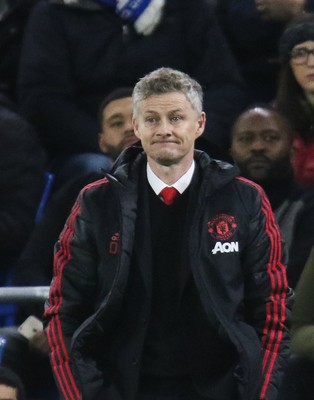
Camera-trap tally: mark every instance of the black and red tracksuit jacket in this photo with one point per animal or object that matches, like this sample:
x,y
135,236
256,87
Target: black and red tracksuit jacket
x,y
238,265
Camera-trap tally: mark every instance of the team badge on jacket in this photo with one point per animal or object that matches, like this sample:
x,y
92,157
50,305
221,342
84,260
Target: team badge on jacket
x,y
222,227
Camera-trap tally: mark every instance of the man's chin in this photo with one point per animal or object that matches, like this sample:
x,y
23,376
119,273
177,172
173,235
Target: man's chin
x,y
166,162
258,175
166,159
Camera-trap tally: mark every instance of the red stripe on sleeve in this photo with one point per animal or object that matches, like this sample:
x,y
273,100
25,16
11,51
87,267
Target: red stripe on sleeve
x,y
275,309
60,358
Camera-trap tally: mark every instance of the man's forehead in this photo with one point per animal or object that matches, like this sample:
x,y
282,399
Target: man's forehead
x,y
257,119
173,101
119,106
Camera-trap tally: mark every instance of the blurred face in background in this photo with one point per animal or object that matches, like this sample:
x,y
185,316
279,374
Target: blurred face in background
x,y
262,145
117,131
302,65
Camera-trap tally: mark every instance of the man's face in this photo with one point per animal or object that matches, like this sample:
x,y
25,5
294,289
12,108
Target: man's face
x,y
167,126
117,131
261,145
7,392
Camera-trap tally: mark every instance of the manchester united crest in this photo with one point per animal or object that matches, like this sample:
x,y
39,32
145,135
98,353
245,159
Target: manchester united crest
x,y
222,227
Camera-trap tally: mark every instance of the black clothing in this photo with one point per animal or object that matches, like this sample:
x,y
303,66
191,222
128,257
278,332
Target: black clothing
x,y
22,164
74,56
254,43
34,266
162,354
293,206
13,18
100,297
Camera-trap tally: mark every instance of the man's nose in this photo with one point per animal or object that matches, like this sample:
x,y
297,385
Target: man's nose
x,y
128,127
164,128
258,144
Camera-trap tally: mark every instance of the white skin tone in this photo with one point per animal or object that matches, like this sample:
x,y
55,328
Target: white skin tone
x,y
168,126
304,73
7,392
117,130
280,10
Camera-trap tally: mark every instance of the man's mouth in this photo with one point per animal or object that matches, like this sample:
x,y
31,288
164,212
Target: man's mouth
x,y
258,162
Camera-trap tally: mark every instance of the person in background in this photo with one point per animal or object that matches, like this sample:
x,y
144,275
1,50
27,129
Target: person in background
x,y
35,265
253,29
22,164
76,52
13,19
11,386
168,269
115,118
295,98
262,147
116,133
298,382
283,10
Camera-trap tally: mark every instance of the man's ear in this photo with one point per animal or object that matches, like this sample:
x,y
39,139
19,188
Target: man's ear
x,y
201,124
102,142
135,128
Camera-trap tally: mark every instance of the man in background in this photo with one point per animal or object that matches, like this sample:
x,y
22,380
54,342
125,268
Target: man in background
x,y
262,147
34,267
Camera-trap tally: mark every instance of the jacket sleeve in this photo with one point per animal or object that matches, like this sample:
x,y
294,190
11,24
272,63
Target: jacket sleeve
x,y
268,295
72,295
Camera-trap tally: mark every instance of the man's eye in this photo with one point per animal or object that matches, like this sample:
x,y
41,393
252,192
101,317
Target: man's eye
x,y
151,120
245,139
176,118
116,124
271,138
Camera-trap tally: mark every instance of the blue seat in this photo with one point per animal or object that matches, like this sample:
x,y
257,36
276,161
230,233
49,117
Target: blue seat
x,y
49,179
7,311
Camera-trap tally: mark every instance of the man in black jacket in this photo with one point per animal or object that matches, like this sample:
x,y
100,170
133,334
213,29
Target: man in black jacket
x,y
262,147
169,277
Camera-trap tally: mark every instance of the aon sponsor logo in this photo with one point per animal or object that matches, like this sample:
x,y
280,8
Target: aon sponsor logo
x,y
227,247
